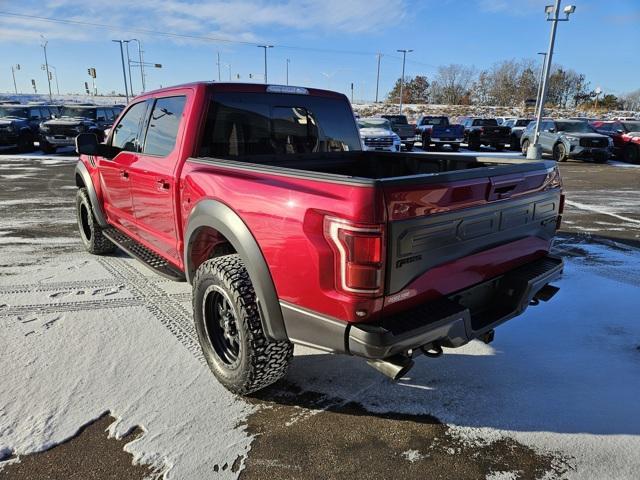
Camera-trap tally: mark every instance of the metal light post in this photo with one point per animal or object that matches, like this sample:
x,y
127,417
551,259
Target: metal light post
x,y
124,72
46,63
126,42
265,59
288,61
378,76
540,83
140,51
534,152
219,79
13,73
404,59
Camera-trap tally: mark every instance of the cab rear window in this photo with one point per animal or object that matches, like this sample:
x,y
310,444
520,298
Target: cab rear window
x,y
254,124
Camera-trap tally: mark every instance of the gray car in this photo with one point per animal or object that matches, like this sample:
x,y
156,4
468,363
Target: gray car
x,y
568,139
517,126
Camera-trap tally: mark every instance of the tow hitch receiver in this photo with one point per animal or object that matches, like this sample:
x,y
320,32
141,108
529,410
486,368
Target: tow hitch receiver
x,y
546,293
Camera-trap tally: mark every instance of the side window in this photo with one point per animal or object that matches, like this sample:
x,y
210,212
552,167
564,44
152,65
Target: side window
x,y
34,114
163,125
125,134
44,113
101,115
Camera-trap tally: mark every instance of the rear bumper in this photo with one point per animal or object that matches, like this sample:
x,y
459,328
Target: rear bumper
x,y
446,141
493,140
450,321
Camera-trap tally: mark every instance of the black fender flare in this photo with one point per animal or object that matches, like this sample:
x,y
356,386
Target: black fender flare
x,y
82,171
217,215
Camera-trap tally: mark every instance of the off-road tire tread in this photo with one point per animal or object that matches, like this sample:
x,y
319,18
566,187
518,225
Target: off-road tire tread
x,y
268,359
99,244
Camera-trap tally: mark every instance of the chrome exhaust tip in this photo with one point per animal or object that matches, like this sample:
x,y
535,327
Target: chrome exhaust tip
x,y
394,367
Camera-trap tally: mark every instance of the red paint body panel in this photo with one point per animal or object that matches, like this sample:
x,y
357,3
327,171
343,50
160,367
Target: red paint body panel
x,y
285,214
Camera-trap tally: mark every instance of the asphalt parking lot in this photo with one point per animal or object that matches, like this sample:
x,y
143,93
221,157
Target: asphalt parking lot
x,y
103,374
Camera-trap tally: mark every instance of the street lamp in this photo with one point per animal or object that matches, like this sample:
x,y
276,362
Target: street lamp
x,y
404,59
55,70
13,73
544,54
124,72
288,62
534,152
46,63
265,59
378,76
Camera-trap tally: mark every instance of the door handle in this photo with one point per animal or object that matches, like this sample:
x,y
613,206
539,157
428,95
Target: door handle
x,y
163,184
124,174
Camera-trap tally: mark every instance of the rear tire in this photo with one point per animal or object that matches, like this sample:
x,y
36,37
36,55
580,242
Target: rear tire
x,y
47,147
91,234
498,147
25,143
230,331
632,153
408,146
514,143
559,152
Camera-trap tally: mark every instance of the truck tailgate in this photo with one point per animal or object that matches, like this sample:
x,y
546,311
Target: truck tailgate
x,y
466,231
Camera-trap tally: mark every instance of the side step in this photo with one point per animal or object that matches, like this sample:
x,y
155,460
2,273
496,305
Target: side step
x,y
152,260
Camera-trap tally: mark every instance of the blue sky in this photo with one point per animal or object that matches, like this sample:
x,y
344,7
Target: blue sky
x,y
330,43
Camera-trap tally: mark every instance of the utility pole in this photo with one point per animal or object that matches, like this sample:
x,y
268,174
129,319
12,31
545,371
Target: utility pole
x,y
265,59
540,82
129,65
534,151
13,73
288,61
124,72
404,59
219,76
351,93
378,76
46,63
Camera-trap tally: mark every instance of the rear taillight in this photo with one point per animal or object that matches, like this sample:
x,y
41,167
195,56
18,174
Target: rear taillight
x,y
359,255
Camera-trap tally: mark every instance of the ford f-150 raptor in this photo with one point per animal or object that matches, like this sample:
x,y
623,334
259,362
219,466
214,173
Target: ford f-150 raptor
x,y
261,197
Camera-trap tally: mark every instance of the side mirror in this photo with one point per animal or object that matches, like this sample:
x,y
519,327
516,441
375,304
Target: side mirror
x,y
620,131
87,144
551,130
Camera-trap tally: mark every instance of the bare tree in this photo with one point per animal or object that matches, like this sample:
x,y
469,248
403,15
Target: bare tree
x,y
451,84
631,100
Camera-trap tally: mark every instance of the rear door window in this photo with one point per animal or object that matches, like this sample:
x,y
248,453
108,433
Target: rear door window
x,y
163,125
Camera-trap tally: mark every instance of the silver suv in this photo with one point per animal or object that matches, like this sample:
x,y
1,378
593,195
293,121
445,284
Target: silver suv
x,y
568,139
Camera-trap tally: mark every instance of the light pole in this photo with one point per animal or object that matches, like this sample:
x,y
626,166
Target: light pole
x,y
288,61
141,64
534,152
404,59
219,79
55,70
265,59
378,76
124,72
13,73
46,63
540,83
126,42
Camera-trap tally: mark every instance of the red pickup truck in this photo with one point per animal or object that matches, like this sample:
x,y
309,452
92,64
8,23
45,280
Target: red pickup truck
x,y
262,198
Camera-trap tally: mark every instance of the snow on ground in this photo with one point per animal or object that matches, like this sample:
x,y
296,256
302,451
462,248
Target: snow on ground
x,y
83,336
564,377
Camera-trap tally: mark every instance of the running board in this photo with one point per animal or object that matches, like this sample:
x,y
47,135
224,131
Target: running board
x,y
138,251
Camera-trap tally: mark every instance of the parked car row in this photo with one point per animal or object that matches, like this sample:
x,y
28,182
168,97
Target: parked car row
x,y
52,126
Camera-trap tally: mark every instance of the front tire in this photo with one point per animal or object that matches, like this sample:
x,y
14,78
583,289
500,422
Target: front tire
x,y
560,152
514,143
632,153
25,143
47,147
230,330
91,234
455,147
525,147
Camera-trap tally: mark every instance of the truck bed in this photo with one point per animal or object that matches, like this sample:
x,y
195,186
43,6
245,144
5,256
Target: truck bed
x,y
388,167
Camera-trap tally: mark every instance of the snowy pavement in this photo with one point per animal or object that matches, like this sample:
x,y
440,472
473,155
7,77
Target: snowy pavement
x,y
555,395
